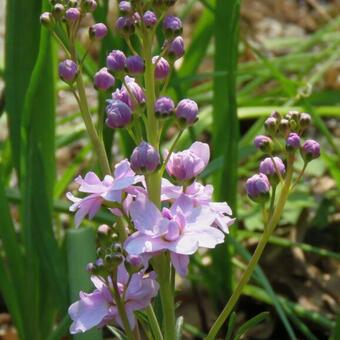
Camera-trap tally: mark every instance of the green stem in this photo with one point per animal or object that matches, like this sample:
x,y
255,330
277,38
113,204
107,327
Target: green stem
x,y
257,254
122,313
161,263
98,144
156,330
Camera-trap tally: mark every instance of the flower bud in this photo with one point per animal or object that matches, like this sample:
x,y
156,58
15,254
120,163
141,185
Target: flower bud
x,y
164,107
263,143
187,111
258,187
149,19
89,5
118,114
270,125
144,158
72,14
97,31
125,25
72,3
172,26
305,120
133,263
136,90
175,49
276,115
162,67
113,260
103,80
46,19
284,127
270,166
135,64
115,61
293,141
58,11
104,229
310,150
125,7
295,115
68,70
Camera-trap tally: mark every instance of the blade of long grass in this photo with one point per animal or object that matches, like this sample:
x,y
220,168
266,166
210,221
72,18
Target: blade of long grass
x,y
225,130
21,50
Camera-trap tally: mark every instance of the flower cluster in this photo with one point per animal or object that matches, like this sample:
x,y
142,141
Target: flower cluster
x,y
183,217
288,129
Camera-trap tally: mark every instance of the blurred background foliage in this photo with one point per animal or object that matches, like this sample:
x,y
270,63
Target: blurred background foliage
x,y
243,60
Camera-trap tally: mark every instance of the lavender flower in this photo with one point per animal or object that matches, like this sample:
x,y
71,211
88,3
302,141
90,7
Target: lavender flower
x,y
187,164
162,68
164,107
119,114
103,80
99,307
115,61
68,70
109,189
182,229
293,141
187,111
125,7
269,165
144,158
149,19
175,48
125,25
72,14
135,64
172,26
310,150
263,143
258,187
98,31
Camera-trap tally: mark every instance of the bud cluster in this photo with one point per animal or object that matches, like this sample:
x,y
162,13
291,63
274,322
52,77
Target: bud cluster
x,y
288,129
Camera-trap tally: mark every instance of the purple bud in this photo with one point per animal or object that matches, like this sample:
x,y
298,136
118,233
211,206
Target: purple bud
x,y
134,260
90,267
263,143
284,126
135,89
98,31
271,124
268,167
276,115
162,67
144,158
164,107
149,19
305,120
46,19
68,70
118,114
104,229
135,64
310,150
258,187
293,141
125,6
172,26
58,11
72,14
103,80
187,110
89,5
115,61
176,48
125,25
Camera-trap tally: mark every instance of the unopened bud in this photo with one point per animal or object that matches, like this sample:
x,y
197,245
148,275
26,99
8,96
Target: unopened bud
x,y
263,143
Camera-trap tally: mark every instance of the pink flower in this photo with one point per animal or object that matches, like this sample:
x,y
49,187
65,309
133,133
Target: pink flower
x,y
99,307
180,230
187,164
109,189
200,195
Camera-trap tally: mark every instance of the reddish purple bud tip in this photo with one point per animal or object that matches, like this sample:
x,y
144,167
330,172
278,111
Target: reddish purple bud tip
x,y
293,141
162,67
149,19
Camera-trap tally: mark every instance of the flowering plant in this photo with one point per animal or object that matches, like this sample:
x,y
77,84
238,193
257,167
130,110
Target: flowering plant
x,y
161,213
